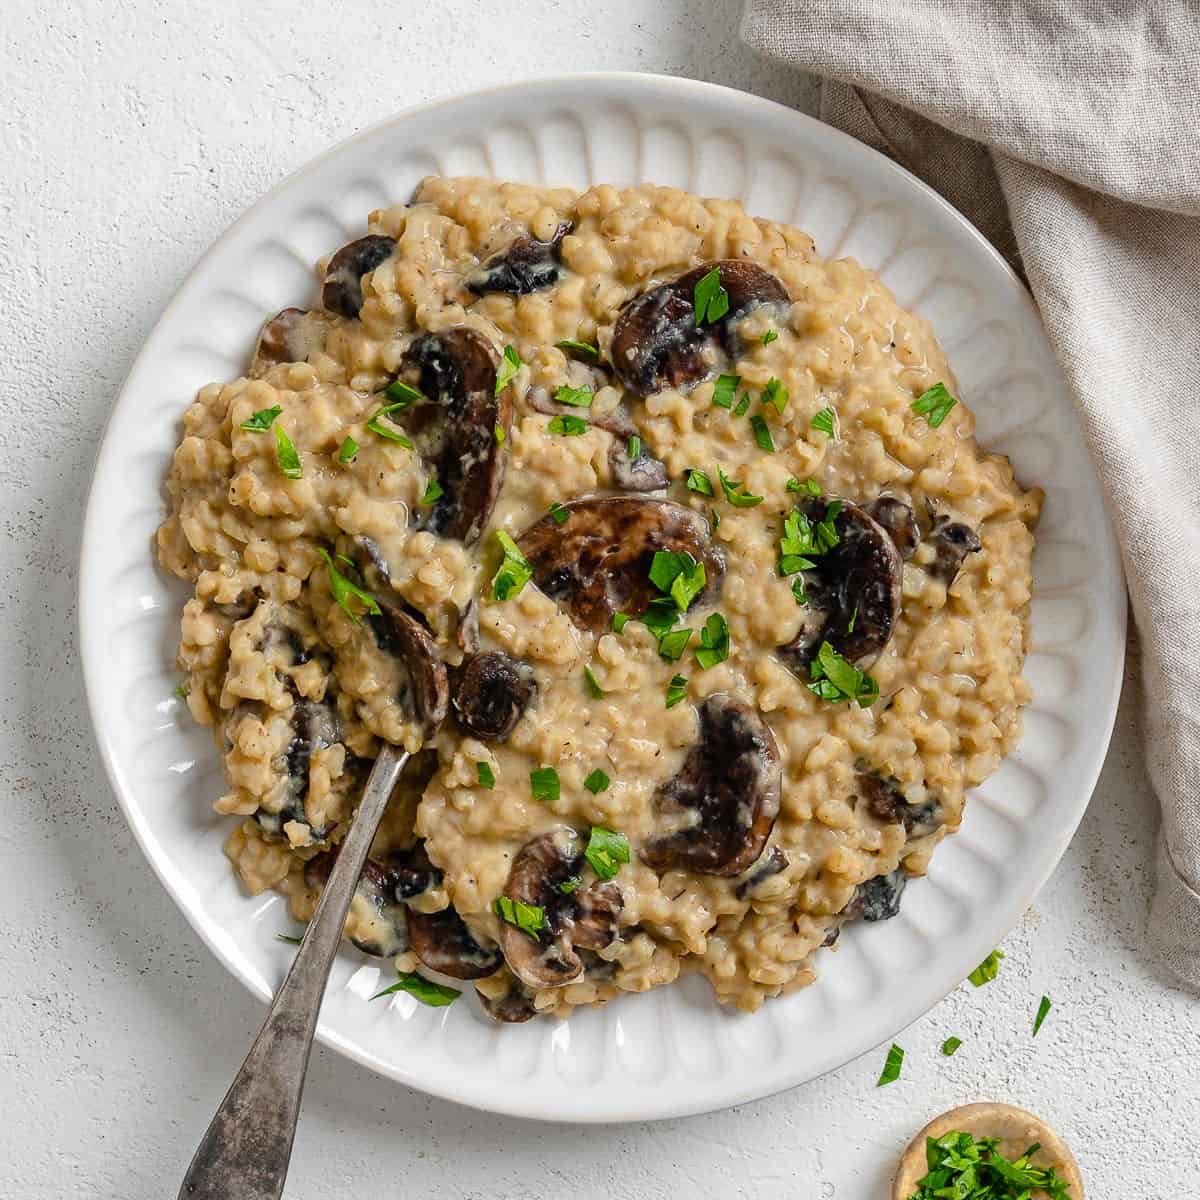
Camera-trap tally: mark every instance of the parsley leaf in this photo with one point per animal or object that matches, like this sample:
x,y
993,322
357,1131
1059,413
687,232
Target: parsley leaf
x,y
634,447
620,620
567,425
762,435
287,937
402,394
348,451
558,513
798,592
436,995
1042,1012
544,785
388,431
606,851
485,774
768,337
672,645
514,571
570,884
950,1045
825,422
262,420
343,591
593,687
742,405
499,434
836,679
987,970
725,389
676,690
891,1067
934,405
597,782
809,486
576,397
735,493
698,481
776,395
678,574
433,493
289,460
714,642
528,918
710,298
510,364
585,351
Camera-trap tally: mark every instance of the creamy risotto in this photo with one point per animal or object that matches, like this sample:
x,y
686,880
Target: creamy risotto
x,y
665,547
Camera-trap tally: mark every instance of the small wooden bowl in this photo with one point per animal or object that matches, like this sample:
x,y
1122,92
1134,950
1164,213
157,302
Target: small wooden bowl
x,y
1016,1129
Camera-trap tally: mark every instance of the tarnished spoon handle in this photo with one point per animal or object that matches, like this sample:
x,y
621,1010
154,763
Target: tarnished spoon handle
x,y
245,1151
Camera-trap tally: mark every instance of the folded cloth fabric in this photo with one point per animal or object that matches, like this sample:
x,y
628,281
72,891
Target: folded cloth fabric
x,y
1068,131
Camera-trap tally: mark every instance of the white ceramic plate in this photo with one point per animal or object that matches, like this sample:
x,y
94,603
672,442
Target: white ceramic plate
x,y
673,1051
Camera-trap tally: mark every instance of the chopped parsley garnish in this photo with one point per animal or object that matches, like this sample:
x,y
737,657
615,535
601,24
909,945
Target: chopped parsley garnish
x,y
950,1045
498,433
676,690
853,619
962,1167
289,938
891,1068
824,421
606,851
762,435
433,493
799,594
714,642
567,425
934,405
672,645
558,513
768,337
1042,1012
181,690
678,574
348,451
660,615
262,420
725,389
809,486
710,298
585,351
402,394
776,395
735,493
987,970
634,448
289,460
594,689
544,785
742,405
485,774
714,519
620,620
343,591
803,540
436,995
510,364
570,884
836,679
575,397
698,481
375,424
597,782
513,573
528,918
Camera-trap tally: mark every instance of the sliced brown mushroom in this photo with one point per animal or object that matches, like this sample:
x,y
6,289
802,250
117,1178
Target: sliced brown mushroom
x,y
884,799
314,727
386,932
584,918
525,265
725,797
455,431
900,522
342,291
770,864
290,336
952,542
878,899
514,1006
645,473
597,562
442,941
852,594
657,342
491,691
424,691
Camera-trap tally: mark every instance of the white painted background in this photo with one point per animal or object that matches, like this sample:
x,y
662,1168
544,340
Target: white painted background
x,y
132,133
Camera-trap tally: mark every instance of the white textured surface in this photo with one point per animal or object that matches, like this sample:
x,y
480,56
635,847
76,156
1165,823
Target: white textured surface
x,y
686,1054
134,134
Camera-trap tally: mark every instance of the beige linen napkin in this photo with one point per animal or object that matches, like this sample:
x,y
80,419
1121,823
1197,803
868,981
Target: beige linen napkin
x,y
1068,131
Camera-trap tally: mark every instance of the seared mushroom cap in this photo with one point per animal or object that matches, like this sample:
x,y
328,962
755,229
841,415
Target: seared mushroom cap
x,y
772,863
585,918
515,1006
388,934
290,336
727,792
525,265
884,799
656,342
597,562
455,433
952,542
857,582
491,691
900,522
315,727
424,691
878,899
342,291
442,941
642,474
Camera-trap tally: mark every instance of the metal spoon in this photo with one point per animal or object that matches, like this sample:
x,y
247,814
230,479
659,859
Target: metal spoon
x,y
245,1151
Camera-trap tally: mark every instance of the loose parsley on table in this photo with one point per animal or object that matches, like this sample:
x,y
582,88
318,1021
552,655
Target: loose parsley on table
x,y
987,970
891,1066
1042,1012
